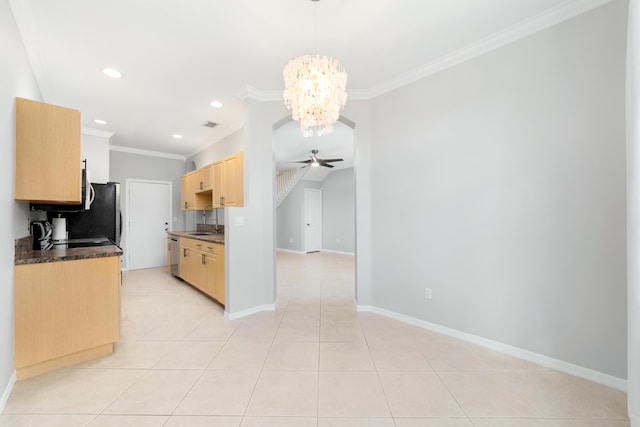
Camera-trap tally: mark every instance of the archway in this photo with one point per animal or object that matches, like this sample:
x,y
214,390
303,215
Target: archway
x,y
339,219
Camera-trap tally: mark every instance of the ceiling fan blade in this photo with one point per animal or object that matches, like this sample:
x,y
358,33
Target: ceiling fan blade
x,y
303,161
330,160
326,165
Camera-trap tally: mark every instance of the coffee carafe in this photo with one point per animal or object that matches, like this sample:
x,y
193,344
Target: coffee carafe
x,y
41,232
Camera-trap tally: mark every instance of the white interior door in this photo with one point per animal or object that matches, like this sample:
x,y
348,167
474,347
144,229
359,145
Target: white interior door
x,y
149,213
312,220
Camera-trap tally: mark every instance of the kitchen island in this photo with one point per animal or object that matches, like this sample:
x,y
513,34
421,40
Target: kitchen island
x,y
67,306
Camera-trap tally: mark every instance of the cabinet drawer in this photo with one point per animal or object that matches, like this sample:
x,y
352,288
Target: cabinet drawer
x,y
201,245
192,243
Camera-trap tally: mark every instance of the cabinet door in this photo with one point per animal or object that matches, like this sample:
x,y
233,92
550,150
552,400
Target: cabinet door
x,y
189,264
62,308
48,147
206,177
211,263
219,274
192,184
218,177
233,181
184,189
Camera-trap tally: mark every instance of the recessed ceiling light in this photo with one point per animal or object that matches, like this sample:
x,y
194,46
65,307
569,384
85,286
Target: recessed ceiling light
x,y
100,122
216,104
112,72
177,136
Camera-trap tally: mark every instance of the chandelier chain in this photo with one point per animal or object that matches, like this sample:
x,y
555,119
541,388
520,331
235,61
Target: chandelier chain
x,y
315,89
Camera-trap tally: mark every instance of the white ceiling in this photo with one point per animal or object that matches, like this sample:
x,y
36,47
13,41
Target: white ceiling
x,y
290,146
177,57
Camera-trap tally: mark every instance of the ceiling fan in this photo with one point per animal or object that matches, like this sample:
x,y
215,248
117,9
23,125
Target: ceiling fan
x,y
315,161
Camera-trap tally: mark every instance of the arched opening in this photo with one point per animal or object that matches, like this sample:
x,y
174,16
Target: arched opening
x,y
335,184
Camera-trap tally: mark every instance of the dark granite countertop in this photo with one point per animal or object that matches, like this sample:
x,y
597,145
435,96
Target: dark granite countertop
x,y
24,257
211,238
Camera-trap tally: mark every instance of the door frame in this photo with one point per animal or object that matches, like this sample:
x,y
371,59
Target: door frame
x,y
127,215
304,220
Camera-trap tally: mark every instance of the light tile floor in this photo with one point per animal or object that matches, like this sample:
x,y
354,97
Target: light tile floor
x,y
313,362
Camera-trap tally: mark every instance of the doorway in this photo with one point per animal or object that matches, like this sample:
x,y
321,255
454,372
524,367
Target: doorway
x,y
312,220
337,218
148,214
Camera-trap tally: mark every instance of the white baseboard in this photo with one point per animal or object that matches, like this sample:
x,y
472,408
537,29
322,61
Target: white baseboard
x,y
7,392
291,251
249,312
548,362
337,252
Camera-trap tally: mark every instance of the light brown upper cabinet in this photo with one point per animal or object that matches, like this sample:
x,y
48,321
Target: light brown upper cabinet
x,y
220,184
192,195
228,181
48,150
206,178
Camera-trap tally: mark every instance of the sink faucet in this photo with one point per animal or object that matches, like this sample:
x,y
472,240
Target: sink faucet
x,y
204,213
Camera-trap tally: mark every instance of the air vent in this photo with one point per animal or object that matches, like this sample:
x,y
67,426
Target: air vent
x,y
210,124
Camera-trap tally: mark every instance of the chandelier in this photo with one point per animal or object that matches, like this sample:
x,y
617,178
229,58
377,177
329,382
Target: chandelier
x,y
315,92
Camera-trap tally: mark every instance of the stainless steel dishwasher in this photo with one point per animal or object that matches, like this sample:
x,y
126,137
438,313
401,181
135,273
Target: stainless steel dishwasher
x,y
174,249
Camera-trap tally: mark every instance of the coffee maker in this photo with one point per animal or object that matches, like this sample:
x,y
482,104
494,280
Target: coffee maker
x,y
41,232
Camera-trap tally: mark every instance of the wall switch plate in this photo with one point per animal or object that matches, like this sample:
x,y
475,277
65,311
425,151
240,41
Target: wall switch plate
x,y
427,293
238,221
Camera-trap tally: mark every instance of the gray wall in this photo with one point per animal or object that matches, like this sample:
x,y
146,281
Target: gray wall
x,y
123,166
338,214
290,217
502,180
17,80
338,211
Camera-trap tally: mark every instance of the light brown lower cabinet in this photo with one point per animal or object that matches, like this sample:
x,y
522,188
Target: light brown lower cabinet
x,y
65,312
202,266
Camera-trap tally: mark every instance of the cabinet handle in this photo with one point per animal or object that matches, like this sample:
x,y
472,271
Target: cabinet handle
x,y
204,259
222,200
184,253
185,205
201,185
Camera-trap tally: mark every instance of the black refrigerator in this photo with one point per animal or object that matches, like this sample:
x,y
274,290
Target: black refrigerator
x,y
103,219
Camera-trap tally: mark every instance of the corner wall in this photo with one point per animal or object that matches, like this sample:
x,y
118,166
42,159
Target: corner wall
x,y
338,211
17,80
504,185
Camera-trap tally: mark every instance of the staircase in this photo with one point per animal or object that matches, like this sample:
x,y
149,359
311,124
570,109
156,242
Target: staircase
x,y
286,180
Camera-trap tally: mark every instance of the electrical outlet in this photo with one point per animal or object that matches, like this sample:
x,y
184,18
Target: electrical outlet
x,y
427,293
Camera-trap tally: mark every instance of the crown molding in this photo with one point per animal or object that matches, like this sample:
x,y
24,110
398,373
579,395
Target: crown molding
x,y
23,18
537,23
259,94
97,132
151,153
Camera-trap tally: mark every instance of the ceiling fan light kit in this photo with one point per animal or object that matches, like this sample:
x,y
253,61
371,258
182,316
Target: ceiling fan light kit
x,y
315,161
315,92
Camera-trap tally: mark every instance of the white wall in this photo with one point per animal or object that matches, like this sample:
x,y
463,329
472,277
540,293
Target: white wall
x,y
338,211
338,214
500,184
290,217
95,149
249,230
17,80
633,211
